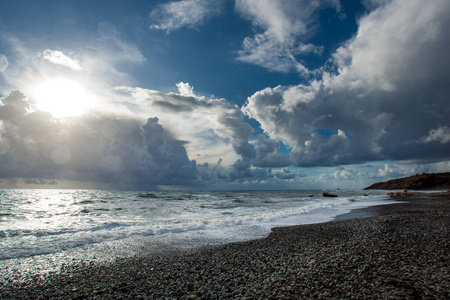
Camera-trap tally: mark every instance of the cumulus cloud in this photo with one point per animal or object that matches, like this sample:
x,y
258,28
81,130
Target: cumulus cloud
x,y
384,90
59,58
387,171
103,148
285,174
267,154
214,130
207,123
438,167
128,152
185,89
285,26
176,14
340,175
132,153
441,135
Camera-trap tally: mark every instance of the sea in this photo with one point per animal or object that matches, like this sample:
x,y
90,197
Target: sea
x,y
106,224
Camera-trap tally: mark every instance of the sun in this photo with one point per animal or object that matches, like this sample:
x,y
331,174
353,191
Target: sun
x,y
63,98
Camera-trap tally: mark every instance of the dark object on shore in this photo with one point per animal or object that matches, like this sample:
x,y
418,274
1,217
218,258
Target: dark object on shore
x,y
148,195
435,181
327,194
397,194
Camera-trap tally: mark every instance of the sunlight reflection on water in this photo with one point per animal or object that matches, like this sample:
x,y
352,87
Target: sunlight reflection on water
x,y
37,222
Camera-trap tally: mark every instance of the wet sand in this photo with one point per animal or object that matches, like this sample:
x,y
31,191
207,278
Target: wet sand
x,y
392,251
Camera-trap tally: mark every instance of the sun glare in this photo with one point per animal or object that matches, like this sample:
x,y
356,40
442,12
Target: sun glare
x,y
63,98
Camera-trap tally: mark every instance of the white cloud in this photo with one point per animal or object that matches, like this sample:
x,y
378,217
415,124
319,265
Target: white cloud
x,y
340,175
59,58
389,43
99,64
386,171
176,14
286,26
285,174
138,151
102,62
185,89
107,148
213,128
441,135
443,166
388,90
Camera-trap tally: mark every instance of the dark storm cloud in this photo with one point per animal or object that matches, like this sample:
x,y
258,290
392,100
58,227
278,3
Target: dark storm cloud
x,y
96,148
267,154
40,181
124,151
386,97
224,119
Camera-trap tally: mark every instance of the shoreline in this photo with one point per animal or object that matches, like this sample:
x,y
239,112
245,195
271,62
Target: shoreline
x,y
403,251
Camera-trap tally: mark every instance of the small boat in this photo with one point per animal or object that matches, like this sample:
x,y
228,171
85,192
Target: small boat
x,y
327,194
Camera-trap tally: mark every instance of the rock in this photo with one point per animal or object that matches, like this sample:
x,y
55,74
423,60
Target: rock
x,y
435,181
327,194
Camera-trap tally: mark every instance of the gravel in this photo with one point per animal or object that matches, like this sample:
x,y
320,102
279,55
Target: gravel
x,y
403,252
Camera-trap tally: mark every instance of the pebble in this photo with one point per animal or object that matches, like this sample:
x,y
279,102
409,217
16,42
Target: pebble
x,y
404,252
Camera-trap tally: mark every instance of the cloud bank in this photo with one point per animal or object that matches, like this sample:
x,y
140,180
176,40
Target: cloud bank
x,y
381,97
101,148
383,90
130,152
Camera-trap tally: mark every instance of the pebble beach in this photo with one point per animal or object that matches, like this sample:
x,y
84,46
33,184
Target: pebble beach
x,y
391,251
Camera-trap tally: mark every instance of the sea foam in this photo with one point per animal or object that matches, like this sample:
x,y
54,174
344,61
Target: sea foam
x,y
37,222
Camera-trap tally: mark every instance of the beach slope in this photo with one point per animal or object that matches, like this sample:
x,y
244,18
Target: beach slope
x,y
403,252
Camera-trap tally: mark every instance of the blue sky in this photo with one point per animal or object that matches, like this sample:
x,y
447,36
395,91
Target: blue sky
x,y
223,94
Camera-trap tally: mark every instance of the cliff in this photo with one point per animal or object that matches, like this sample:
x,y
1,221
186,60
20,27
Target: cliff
x,y
435,181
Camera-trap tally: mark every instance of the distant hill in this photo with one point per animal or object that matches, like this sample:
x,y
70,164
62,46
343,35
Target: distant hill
x,y
435,181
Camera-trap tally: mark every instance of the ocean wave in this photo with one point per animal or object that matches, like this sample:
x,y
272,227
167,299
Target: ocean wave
x,y
42,232
239,201
85,202
236,215
109,226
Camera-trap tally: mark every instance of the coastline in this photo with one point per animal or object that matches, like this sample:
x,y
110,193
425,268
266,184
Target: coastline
x,y
394,250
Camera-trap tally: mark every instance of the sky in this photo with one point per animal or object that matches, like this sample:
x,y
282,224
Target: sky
x,y
222,94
